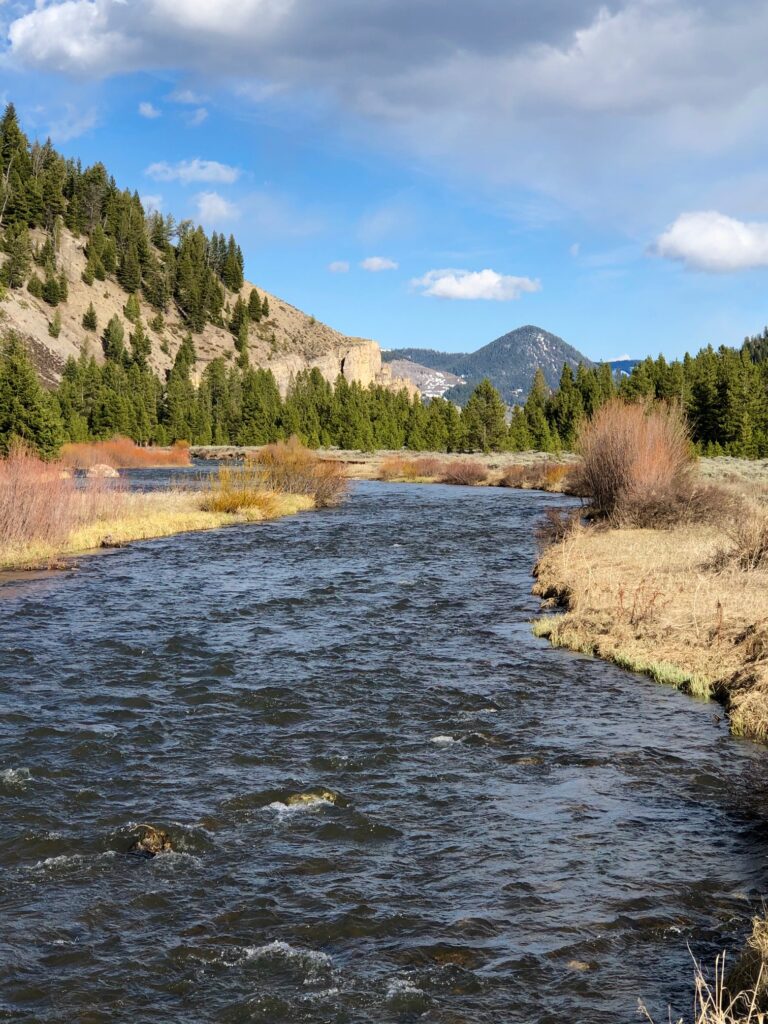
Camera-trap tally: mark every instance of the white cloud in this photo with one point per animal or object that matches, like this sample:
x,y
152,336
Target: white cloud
x,y
187,97
149,110
73,123
194,170
575,249
375,264
197,118
212,209
339,267
152,204
707,240
474,284
584,103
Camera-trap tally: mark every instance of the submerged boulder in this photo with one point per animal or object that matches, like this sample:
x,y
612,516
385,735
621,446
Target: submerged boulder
x,y
102,471
150,842
308,799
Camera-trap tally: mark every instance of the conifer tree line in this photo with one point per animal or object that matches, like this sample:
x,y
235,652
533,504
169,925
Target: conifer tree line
x,y
723,392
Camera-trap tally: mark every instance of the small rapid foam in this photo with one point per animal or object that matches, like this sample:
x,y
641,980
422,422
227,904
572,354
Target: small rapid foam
x,y
443,741
312,966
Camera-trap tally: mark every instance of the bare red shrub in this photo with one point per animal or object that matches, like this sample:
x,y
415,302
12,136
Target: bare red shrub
x,y
123,453
42,502
636,464
465,472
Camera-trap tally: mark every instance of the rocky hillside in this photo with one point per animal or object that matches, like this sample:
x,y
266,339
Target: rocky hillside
x,y
285,342
509,362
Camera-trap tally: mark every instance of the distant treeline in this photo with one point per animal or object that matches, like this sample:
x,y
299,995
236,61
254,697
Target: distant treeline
x,y
724,394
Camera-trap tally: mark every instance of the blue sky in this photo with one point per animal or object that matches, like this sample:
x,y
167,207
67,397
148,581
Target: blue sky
x,y
436,174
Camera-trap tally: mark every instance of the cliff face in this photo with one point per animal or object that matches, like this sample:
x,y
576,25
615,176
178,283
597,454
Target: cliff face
x,y
286,342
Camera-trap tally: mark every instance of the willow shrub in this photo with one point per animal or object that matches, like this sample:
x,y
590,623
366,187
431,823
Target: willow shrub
x,y
637,464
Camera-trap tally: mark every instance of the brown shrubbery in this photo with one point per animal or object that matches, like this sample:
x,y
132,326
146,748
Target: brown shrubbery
x,y
41,502
466,472
123,453
542,476
289,468
637,469
282,468
397,467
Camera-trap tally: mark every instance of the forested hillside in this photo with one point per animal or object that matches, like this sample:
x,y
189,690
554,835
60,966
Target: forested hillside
x,y
77,253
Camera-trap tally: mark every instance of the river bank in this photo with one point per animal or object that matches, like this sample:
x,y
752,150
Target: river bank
x,y
359,465
143,516
678,604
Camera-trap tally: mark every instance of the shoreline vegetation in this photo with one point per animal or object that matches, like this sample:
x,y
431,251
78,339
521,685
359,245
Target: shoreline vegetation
x,y
50,513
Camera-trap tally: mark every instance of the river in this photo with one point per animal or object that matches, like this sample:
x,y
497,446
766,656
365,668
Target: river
x,y
519,834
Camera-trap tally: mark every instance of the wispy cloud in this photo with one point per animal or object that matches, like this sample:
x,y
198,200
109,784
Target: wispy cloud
x,y
707,240
187,97
375,264
196,119
152,203
72,124
339,267
474,284
149,110
187,171
213,209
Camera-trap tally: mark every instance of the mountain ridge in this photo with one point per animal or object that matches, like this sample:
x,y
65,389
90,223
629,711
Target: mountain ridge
x,y
509,362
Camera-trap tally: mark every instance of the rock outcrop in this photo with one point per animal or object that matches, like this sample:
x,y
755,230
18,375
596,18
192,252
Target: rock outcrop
x,y
286,341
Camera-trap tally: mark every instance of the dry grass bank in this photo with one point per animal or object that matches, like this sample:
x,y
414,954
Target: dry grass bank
x,y
670,578
123,453
47,513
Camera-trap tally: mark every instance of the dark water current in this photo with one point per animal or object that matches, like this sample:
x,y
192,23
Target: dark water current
x,y
519,835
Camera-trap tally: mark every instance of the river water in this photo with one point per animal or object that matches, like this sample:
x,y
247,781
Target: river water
x,y
518,833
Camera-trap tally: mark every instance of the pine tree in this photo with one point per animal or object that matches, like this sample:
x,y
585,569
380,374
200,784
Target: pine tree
x,y
16,246
254,306
113,340
483,419
132,309
54,327
27,412
90,320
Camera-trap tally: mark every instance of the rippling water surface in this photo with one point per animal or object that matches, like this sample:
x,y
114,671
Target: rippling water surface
x,y
518,833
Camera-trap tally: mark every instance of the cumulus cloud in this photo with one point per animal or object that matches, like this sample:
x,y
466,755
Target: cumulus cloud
x,y
339,267
152,204
149,110
197,118
375,264
711,241
474,284
213,209
580,101
187,171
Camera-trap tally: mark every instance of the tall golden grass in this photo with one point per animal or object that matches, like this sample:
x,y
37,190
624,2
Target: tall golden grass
x,y
123,453
466,472
277,469
41,502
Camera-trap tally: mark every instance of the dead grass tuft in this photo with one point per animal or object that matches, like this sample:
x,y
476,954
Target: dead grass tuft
x,y
717,1002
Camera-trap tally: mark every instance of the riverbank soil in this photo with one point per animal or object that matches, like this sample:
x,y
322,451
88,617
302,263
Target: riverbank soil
x,y
677,604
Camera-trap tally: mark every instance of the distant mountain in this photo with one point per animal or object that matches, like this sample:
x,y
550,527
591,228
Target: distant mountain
x,y
429,357
624,366
509,362
432,383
